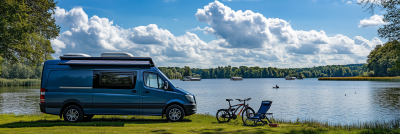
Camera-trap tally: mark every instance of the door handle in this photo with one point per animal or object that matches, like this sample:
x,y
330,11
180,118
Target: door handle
x,y
133,91
146,92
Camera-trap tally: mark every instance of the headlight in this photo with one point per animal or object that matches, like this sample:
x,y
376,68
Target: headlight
x,y
190,97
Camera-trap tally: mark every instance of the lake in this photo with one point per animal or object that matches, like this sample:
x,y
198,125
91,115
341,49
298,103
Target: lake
x,y
333,101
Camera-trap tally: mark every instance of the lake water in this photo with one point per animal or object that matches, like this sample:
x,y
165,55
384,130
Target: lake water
x,y
334,101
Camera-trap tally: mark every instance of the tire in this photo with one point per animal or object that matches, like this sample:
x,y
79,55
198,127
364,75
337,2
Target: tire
x,y
223,115
73,113
87,117
175,113
248,112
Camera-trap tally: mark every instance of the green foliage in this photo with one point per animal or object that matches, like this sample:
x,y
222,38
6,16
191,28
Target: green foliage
x,y
20,71
363,78
187,71
269,72
25,29
391,15
382,60
172,72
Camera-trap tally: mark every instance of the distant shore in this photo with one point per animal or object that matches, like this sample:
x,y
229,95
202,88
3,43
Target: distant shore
x,y
394,79
19,82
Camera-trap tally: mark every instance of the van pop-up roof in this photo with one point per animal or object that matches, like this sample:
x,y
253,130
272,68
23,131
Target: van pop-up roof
x,y
110,58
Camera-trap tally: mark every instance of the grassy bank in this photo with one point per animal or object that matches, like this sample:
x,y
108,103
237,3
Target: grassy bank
x,y
198,123
19,82
394,79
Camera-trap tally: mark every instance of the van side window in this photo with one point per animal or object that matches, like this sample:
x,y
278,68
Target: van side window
x,y
69,78
115,80
153,80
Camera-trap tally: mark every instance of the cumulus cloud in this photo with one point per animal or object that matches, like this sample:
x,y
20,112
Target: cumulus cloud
x,y
348,2
95,35
242,38
244,29
252,30
373,21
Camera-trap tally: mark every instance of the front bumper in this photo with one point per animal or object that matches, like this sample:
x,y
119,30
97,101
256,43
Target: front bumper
x,y
190,109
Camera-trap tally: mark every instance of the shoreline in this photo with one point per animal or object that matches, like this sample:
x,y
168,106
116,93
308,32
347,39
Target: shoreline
x,y
392,79
19,82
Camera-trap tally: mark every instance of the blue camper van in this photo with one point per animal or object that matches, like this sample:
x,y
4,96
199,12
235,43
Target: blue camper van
x,y
78,86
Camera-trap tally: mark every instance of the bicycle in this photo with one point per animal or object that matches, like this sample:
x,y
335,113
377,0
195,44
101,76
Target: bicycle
x,y
225,115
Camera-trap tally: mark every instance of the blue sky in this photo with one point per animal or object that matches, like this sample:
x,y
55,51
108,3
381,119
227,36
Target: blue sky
x,y
272,33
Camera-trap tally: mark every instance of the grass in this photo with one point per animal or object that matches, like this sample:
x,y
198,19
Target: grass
x,y
198,123
394,79
19,82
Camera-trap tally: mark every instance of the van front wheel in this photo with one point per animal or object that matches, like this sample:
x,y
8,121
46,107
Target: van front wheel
x,y
175,113
73,114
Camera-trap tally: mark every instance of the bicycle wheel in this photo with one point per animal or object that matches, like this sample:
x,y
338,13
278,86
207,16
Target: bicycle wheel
x,y
247,113
223,115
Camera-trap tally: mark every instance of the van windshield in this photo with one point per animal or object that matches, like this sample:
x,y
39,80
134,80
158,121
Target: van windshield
x,y
172,84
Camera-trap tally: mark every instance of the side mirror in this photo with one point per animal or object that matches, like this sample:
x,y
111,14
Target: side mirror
x,y
165,85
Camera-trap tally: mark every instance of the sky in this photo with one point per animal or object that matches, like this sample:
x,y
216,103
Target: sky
x,y
207,33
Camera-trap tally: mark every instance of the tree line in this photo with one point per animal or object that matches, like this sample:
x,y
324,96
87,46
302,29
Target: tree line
x,y
265,72
20,71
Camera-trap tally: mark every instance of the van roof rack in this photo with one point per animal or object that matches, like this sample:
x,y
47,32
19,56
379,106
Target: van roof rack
x,y
118,61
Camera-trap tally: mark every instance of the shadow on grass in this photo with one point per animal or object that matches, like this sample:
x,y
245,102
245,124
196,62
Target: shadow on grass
x,y
162,131
93,122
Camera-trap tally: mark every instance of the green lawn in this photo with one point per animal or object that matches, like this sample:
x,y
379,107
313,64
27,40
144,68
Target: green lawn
x,y
44,123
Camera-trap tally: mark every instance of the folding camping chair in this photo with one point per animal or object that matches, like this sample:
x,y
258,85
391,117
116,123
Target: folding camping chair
x,y
261,115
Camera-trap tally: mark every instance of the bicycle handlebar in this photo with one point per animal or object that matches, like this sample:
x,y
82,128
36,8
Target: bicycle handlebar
x,y
247,99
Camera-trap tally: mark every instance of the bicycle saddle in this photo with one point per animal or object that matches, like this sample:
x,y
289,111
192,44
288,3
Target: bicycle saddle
x,y
229,100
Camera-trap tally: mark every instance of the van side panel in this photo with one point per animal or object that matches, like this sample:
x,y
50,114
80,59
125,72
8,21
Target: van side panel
x,y
65,85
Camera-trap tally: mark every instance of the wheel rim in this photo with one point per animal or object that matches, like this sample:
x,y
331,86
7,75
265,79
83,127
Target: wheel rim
x,y
175,114
247,114
222,116
72,115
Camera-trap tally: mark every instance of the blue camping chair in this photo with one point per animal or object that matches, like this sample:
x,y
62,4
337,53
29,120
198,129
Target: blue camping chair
x,y
261,115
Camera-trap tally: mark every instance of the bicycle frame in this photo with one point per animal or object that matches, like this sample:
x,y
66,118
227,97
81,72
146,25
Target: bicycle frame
x,y
242,106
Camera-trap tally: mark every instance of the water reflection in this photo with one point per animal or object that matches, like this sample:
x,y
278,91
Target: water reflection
x,y
19,100
387,97
333,101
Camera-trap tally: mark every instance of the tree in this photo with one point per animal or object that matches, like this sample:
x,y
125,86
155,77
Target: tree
x,y
26,26
187,72
390,30
382,60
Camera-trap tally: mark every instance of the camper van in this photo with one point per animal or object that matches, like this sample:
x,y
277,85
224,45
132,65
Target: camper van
x,y
78,86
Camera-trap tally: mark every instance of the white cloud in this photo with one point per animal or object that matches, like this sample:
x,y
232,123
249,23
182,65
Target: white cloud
x,y
175,19
244,29
57,45
373,21
243,38
348,2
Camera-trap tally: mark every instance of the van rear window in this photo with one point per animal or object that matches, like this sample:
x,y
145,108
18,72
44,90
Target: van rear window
x,y
116,80
70,78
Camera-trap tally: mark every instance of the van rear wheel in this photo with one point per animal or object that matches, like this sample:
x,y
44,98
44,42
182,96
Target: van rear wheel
x,y
73,113
175,113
